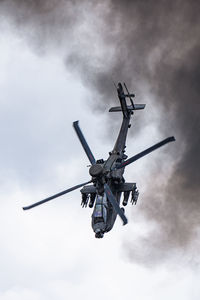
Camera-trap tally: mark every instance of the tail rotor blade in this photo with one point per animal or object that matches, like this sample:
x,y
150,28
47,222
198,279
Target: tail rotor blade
x,y
145,152
84,143
56,195
114,203
129,96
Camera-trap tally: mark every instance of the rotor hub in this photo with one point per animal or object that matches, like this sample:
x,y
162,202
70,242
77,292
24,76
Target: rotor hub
x,y
96,170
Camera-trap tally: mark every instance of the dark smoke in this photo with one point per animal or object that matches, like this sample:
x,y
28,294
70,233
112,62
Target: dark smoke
x,y
153,44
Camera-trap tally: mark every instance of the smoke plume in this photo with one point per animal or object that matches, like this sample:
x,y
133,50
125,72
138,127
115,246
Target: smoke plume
x,y
151,44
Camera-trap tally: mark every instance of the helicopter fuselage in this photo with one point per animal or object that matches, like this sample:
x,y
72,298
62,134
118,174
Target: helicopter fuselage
x,y
104,215
108,183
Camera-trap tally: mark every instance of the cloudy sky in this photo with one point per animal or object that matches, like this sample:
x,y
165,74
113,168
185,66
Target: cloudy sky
x,y
58,62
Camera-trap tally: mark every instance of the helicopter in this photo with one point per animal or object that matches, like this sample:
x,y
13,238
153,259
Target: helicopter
x,y
103,192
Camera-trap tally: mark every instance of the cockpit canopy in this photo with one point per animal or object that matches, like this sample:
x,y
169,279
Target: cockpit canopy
x,y
100,210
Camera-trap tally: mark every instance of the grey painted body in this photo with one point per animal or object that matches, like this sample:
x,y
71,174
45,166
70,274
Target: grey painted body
x,y
113,176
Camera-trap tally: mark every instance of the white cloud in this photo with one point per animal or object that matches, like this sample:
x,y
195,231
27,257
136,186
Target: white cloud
x,y
51,252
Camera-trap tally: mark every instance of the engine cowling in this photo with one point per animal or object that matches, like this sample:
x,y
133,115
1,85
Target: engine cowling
x,y
96,170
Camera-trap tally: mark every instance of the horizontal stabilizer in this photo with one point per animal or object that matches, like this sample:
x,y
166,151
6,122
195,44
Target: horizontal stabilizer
x,y
129,107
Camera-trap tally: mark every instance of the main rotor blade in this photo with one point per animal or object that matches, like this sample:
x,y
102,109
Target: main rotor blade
x,y
56,195
84,143
114,203
145,152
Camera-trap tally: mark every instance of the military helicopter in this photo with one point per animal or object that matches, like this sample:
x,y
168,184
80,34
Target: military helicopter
x,y
108,183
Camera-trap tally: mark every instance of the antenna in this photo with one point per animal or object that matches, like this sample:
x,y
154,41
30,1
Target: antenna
x,y
114,84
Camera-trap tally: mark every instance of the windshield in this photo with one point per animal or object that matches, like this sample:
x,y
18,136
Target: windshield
x,y
98,211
